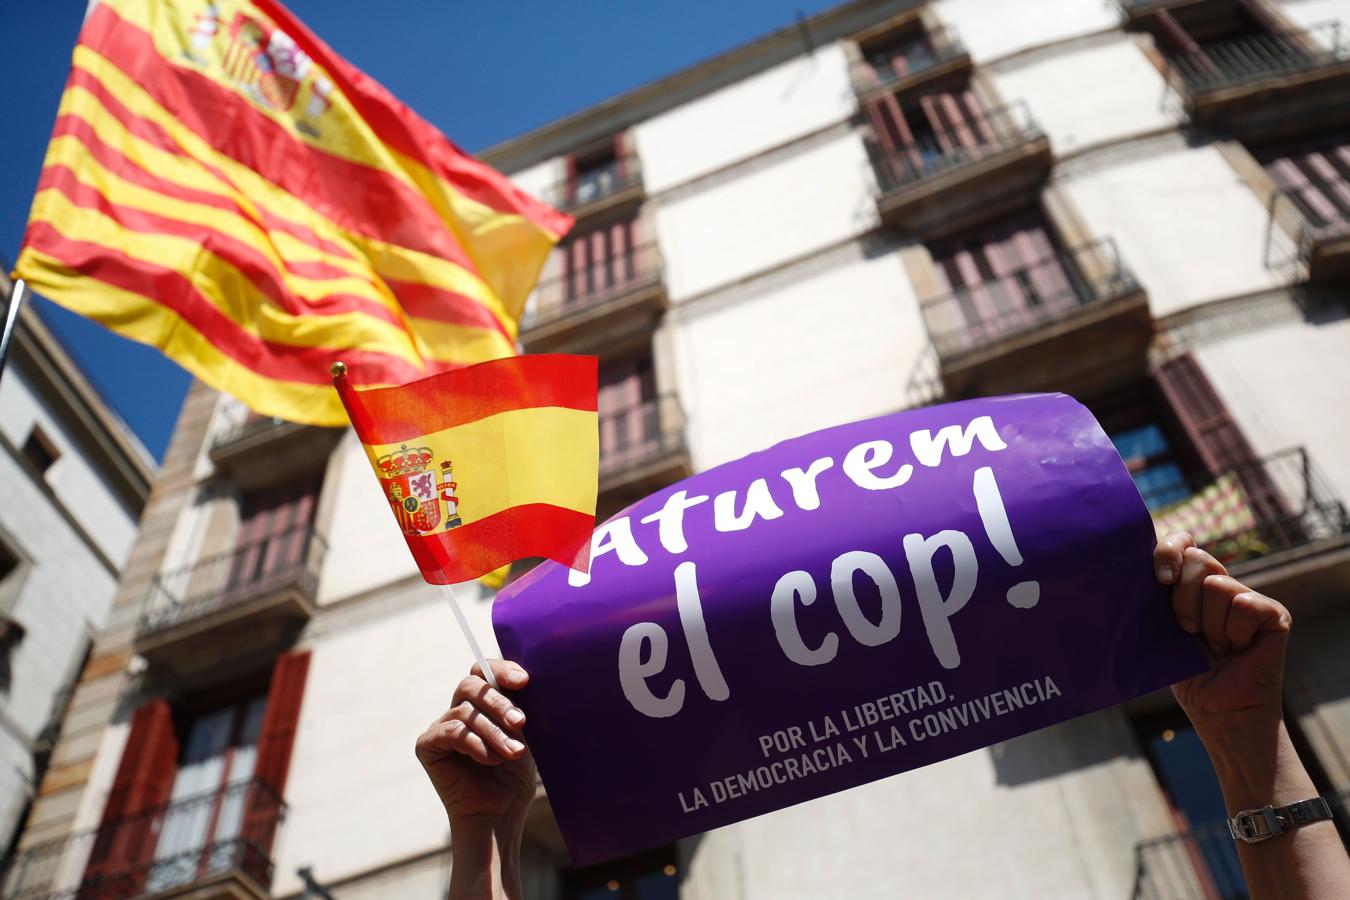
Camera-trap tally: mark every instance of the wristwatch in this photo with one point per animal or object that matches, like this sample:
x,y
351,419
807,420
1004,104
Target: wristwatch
x,y
1256,825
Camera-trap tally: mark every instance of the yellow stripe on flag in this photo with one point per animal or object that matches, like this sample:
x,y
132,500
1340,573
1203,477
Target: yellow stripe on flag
x,y
498,464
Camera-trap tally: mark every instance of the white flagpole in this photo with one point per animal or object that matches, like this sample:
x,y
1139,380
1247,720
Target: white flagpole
x,y
468,635
11,319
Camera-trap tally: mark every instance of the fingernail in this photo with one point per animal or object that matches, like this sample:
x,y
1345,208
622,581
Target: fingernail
x,y
1166,574
514,745
1189,626
515,717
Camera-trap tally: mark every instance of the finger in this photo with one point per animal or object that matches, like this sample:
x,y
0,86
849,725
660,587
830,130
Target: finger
x,y
1167,555
1196,566
509,675
1251,614
455,736
490,701
1216,593
494,737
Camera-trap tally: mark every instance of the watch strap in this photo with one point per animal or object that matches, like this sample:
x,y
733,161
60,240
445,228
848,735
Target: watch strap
x,y
1256,825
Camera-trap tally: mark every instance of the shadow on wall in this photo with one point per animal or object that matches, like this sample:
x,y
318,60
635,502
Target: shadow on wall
x,y
1060,749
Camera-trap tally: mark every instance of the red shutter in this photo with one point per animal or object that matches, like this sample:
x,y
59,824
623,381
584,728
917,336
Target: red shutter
x,y
125,844
1217,438
275,741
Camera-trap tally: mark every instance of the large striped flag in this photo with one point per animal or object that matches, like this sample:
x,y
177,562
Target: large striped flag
x,y
223,186
487,464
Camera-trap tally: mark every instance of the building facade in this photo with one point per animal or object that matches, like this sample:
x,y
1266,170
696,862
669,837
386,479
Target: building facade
x,y
73,480
892,204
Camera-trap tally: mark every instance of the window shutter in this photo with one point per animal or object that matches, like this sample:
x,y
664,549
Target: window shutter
x,y
275,741
1217,438
125,843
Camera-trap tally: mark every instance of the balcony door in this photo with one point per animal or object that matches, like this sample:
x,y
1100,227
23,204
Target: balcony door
x,y
629,419
275,531
919,136
600,262
1315,176
1007,276
200,833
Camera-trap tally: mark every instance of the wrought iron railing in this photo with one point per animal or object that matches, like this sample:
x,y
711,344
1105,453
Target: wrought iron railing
x,y
1025,298
591,185
633,435
1199,864
1234,62
938,46
956,146
290,558
1279,502
1318,215
580,288
162,848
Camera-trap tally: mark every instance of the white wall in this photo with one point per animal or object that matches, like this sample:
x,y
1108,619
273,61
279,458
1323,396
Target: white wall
x,y
1125,97
766,216
357,797
1287,385
365,546
745,118
821,348
1187,226
994,30
72,477
1315,12
955,829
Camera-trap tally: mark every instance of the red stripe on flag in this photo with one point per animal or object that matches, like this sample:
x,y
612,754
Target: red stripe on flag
x,y
353,195
243,256
154,135
284,362
395,414
423,301
476,548
401,128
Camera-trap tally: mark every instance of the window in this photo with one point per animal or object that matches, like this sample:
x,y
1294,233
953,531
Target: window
x,y
39,450
600,262
653,875
629,420
1006,276
203,823
276,532
897,55
1315,176
1152,464
1188,783
1153,444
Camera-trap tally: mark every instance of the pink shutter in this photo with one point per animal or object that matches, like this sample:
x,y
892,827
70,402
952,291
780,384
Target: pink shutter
x,y
575,265
976,116
956,116
929,105
894,136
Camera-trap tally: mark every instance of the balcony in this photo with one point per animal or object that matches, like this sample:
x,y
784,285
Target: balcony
x,y
1273,521
1026,330
253,450
1319,221
642,449
214,846
948,182
599,305
253,596
607,187
1267,85
1199,864
937,55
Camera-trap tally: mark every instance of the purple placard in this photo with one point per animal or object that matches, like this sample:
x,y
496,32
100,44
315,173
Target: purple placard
x,y
841,607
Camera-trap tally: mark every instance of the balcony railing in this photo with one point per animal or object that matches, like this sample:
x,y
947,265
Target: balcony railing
x,y
166,848
582,288
287,559
1026,298
1265,506
1248,59
248,427
634,435
940,46
592,185
972,141
1321,215
1201,863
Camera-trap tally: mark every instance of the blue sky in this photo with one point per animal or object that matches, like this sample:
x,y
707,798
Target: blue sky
x,y
480,72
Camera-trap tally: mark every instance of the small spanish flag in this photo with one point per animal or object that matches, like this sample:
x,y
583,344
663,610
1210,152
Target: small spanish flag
x,y
487,464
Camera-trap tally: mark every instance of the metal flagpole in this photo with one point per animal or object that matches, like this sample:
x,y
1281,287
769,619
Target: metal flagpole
x,y
468,636
12,304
